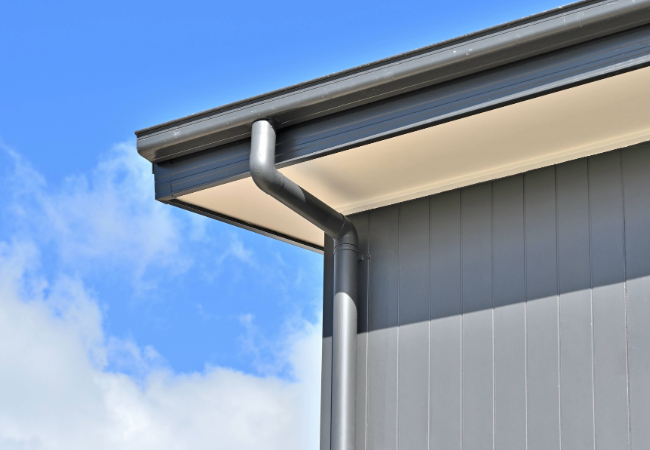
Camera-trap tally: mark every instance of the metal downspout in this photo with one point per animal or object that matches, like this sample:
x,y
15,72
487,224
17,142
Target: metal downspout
x,y
346,256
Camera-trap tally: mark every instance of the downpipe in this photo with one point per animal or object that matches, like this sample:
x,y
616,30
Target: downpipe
x,y
346,257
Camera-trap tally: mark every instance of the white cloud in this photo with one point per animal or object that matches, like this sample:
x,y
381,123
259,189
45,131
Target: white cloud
x,y
109,216
55,393
238,251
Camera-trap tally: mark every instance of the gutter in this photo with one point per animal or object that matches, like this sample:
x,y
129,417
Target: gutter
x,y
497,46
346,257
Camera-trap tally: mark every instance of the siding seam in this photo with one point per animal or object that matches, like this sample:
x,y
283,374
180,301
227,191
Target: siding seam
x,y
462,315
591,305
627,343
369,329
365,425
523,198
557,296
492,311
399,276
429,333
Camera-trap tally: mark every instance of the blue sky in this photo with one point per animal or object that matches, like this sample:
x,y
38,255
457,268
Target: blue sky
x,y
144,291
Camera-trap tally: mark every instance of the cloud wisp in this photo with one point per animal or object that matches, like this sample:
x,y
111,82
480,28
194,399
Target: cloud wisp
x,y
108,216
58,386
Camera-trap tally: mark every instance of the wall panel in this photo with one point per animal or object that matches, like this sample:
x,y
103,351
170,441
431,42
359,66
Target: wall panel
x,y
636,191
477,363
542,318
608,280
413,363
507,315
383,314
445,390
509,293
576,347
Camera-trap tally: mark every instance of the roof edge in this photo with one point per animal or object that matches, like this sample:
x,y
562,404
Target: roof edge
x,y
499,45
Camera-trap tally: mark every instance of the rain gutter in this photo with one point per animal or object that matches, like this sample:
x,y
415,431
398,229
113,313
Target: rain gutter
x,y
497,46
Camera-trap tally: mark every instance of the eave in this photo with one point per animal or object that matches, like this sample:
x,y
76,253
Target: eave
x,y
516,62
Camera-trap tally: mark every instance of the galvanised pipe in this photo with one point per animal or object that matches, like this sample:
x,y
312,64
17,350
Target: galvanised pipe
x,y
346,257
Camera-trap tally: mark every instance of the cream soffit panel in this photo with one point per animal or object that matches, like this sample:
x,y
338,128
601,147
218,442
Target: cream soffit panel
x,y
243,200
585,120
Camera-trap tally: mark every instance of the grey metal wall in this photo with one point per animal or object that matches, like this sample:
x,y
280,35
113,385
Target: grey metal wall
x,y
508,315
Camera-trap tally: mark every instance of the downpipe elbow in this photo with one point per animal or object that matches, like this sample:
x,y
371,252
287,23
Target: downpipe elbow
x,y
262,159
268,179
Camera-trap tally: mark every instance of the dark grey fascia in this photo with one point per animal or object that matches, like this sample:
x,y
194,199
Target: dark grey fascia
x,y
477,52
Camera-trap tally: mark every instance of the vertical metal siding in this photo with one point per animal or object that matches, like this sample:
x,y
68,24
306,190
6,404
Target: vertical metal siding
x,y
509,296
445,389
507,315
608,299
542,332
413,343
574,269
383,328
476,256
636,192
